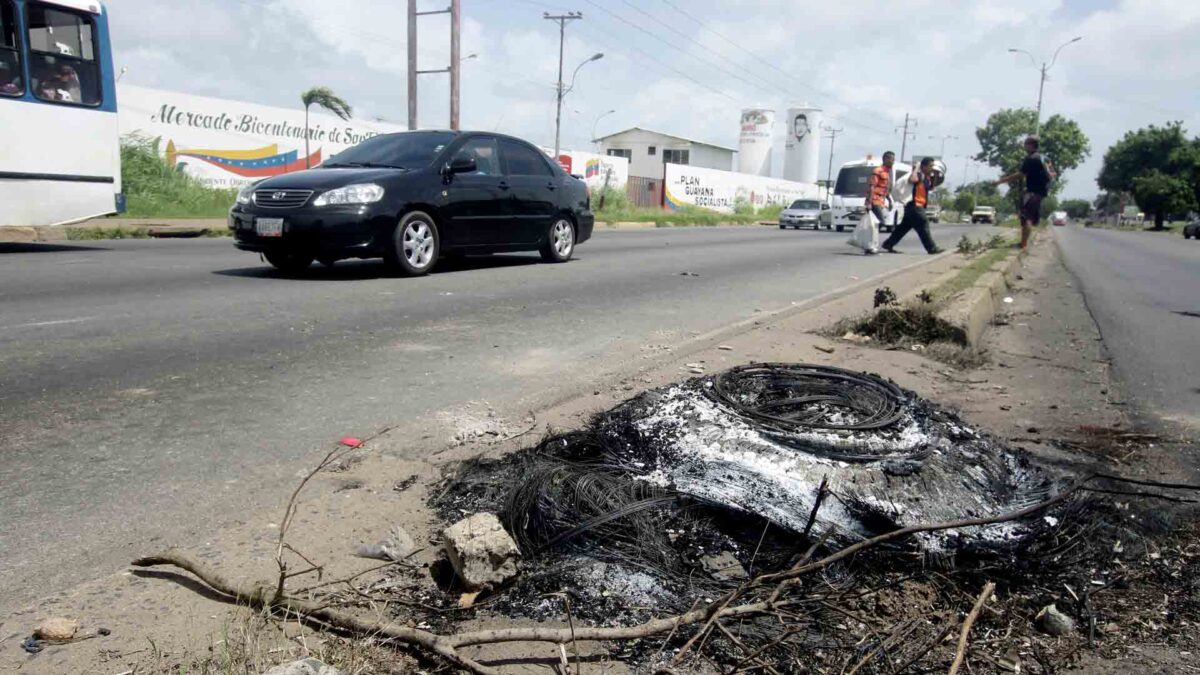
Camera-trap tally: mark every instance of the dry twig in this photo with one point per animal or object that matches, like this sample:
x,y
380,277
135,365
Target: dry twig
x,y
961,654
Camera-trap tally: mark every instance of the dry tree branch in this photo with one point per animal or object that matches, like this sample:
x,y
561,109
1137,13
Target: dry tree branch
x,y
961,654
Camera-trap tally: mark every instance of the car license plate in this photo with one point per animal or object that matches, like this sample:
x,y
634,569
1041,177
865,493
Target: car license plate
x,y
268,227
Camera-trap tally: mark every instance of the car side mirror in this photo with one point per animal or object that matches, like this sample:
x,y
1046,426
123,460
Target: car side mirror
x,y
824,207
461,165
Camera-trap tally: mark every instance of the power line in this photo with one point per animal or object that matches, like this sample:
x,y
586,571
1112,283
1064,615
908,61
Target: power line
x,y
774,67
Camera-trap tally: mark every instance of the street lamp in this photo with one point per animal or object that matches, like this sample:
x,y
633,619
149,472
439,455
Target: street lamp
x,y
598,118
562,93
1037,122
943,139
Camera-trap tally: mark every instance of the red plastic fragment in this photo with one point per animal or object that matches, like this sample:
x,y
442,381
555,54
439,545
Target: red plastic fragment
x,y
351,442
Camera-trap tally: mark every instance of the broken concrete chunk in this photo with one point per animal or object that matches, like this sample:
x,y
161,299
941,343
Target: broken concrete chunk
x,y
309,666
56,628
482,553
1053,622
398,546
724,566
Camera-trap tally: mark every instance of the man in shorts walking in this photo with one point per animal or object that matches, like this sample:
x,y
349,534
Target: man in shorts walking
x,y
1038,177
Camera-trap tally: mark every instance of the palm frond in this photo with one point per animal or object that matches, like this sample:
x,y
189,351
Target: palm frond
x,y
325,98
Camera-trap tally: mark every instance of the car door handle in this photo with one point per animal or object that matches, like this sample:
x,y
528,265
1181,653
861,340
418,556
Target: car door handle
x,y
551,186
503,185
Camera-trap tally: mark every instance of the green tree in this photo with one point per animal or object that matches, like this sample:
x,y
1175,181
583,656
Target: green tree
x,y
1077,208
964,202
1063,144
1161,194
984,188
1159,166
322,97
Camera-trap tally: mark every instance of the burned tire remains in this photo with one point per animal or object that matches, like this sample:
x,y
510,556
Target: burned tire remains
x,y
733,463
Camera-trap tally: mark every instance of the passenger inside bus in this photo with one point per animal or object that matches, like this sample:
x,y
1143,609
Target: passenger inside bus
x,y
10,79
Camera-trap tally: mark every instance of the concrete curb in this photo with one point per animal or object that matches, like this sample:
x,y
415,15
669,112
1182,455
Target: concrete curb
x,y
153,227
975,309
641,225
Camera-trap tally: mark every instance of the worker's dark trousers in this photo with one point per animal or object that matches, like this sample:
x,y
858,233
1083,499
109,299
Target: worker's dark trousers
x,y
914,219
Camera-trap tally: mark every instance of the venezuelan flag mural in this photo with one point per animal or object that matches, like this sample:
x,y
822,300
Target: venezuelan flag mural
x,y
257,163
592,168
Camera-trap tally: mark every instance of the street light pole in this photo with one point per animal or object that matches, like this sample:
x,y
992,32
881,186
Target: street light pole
x,y
562,93
1043,69
829,172
562,20
943,139
598,118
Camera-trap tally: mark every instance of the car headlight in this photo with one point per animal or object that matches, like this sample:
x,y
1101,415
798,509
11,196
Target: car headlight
x,y
364,193
246,194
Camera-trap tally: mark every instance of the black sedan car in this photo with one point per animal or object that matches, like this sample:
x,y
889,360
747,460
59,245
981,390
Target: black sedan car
x,y
1192,230
415,196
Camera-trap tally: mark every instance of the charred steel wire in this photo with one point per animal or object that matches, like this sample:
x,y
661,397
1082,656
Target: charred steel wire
x,y
793,397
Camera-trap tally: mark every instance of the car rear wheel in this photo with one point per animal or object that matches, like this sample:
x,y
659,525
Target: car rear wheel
x,y
560,241
289,261
415,244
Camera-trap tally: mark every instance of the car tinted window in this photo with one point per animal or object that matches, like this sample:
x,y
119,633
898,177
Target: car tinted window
x,y
485,153
808,204
523,160
852,181
411,150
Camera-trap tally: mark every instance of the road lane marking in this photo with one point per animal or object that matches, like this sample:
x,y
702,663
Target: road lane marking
x,y
39,324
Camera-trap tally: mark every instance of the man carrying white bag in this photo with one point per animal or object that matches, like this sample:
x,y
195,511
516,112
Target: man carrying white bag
x,y
866,234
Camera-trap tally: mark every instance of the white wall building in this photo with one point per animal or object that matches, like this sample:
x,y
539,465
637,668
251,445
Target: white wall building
x,y
647,151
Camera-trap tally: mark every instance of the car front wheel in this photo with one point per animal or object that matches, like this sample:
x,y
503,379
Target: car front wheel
x,y
560,241
415,244
289,261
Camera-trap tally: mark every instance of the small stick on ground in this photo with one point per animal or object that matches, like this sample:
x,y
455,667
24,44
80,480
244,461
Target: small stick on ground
x,y
961,654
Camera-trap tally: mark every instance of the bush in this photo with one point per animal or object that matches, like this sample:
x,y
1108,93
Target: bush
x,y
153,189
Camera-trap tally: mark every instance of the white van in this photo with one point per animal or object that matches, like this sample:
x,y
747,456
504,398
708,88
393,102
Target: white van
x,y
848,202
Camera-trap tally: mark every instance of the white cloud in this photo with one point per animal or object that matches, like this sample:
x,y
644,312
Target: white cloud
x,y
944,62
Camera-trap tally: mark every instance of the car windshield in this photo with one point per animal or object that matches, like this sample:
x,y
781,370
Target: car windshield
x,y
411,150
852,181
805,205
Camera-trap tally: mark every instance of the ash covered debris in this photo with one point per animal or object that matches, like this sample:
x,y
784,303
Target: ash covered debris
x,y
761,438
731,464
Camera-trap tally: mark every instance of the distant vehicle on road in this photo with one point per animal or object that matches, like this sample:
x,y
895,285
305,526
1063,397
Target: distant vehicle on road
x,y
414,196
1192,230
966,218
802,213
850,191
1058,218
984,214
934,213
61,161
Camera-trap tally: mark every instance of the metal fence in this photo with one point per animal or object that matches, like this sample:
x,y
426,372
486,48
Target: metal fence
x,y
645,192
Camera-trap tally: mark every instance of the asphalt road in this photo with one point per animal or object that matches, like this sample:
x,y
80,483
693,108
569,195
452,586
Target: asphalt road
x,y
1143,289
150,389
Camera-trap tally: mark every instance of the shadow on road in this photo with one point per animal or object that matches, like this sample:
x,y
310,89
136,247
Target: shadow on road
x,y
47,248
376,269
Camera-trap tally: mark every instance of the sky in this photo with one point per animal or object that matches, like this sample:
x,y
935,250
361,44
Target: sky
x,y
687,67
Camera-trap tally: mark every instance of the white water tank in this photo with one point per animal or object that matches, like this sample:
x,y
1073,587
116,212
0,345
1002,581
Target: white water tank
x,y
802,144
754,141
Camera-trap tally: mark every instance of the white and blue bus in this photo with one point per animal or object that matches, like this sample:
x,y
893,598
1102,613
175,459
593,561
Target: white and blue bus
x,y
60,159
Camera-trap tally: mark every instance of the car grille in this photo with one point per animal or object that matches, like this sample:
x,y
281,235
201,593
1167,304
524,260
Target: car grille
x,y
281,199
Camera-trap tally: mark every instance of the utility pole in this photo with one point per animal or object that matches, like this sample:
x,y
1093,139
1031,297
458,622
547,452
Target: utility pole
x,y
906,133
412,65
453,69
562,20
455,61
1043,69
829,173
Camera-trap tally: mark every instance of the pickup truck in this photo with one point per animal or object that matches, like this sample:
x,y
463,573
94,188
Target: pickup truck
x,y
984,214
933,214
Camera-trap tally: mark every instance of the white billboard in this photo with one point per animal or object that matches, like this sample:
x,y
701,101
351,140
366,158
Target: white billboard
x,y
722,190
230,143
802,145
754,141
597,170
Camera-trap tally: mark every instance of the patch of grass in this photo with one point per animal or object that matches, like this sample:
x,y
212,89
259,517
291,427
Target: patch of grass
x,y
98,233
971,273
153,189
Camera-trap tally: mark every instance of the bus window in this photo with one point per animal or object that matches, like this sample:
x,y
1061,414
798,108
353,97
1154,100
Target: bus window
x,y
63,64
11,83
